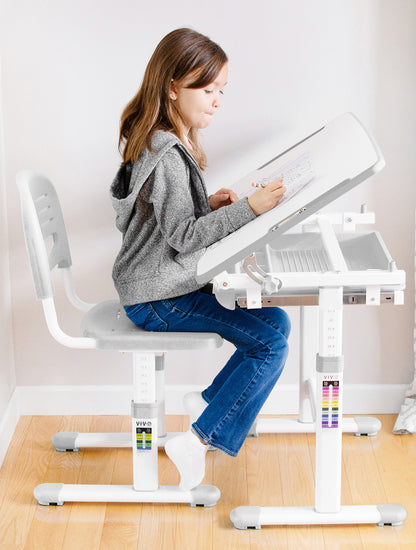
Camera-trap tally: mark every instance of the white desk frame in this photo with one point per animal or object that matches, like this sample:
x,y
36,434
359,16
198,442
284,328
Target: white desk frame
x,y
324,417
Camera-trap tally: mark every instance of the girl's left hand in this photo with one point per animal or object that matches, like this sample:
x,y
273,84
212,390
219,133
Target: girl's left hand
x,y
223,197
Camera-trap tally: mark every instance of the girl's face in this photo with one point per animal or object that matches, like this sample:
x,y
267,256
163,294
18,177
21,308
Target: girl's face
x,y
198,105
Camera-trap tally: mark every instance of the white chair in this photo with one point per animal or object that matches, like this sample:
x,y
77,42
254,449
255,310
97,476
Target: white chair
x,y
106,327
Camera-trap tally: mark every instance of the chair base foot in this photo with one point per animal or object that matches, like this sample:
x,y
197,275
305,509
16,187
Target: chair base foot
x,y
73,441
49,494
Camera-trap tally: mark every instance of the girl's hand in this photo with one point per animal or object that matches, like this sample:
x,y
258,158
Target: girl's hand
x,y
223,197
267,197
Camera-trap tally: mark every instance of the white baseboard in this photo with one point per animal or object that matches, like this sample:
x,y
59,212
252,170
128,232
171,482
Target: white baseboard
x,y
113,400
8,424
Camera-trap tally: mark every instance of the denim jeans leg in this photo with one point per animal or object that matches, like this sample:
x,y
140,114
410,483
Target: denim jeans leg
x,y
277,319
241,389
229,416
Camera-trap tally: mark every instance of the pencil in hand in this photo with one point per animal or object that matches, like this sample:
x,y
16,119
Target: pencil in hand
x,y
261,185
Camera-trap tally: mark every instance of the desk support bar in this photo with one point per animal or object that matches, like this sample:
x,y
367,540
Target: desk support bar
x,y
331,245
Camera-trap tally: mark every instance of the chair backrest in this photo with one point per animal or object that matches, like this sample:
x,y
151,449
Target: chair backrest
x,y
44,230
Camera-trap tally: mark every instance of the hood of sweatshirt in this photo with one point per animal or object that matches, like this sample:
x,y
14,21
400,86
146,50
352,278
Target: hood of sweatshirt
x,y
131,177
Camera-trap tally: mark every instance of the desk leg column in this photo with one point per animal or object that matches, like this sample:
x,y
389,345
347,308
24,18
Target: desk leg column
x,y
327,510
329,371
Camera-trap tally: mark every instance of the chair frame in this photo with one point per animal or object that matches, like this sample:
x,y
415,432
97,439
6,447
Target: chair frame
x,y
42,217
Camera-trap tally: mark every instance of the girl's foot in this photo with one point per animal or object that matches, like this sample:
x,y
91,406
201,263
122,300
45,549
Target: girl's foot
x,y
188,452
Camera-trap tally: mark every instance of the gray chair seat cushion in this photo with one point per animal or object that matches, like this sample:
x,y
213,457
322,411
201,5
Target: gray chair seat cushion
x,y
108,324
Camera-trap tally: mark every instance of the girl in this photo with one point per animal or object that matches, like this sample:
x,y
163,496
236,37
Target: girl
x,y
167,220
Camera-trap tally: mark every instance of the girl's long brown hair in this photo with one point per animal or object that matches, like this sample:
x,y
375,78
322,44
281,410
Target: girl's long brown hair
x,y
182,55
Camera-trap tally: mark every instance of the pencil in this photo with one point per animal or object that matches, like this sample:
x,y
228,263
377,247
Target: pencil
x,y
261,185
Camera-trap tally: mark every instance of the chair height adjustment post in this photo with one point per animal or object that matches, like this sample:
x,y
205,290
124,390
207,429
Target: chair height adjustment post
x,y
145,423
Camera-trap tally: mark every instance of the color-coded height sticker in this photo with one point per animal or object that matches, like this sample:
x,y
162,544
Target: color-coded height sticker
x,y
143,439
330,403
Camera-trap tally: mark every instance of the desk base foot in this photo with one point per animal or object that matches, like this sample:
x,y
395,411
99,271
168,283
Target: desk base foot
x,y
253,517
359,425
366,425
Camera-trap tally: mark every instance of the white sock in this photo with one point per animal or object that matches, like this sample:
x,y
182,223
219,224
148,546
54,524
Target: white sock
x,y
194,405
188,454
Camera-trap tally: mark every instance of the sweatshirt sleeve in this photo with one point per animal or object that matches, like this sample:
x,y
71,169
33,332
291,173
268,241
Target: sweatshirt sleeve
x,y
169,190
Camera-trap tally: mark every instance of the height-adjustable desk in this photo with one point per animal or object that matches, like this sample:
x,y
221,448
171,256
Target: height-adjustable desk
x,y
293,255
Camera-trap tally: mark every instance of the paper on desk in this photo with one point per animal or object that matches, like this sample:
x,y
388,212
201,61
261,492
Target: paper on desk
x,y
296,174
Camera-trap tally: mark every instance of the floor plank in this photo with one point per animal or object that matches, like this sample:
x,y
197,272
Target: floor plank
x,y
50,522
271,470
122,521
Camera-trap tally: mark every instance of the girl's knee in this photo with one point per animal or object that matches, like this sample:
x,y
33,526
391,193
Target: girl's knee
x,y
277,359
278,350
285,323
278,339
280,347
280,320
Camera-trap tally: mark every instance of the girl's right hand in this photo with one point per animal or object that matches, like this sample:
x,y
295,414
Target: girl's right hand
x,y
267,197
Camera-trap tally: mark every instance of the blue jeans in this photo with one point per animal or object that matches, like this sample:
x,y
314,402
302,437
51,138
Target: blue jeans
x,y
239,391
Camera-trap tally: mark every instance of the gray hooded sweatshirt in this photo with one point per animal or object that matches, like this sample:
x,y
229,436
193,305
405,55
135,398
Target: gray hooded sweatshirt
x,y
164,215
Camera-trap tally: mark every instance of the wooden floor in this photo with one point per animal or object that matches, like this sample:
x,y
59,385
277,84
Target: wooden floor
x,y
270,470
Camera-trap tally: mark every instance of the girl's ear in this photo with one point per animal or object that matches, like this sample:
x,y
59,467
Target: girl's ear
x,y
172,90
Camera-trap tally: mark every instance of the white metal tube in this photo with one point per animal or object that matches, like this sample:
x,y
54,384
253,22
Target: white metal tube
x,y
160,394
144,378
121,493
293,425
144,423
85,440
330,322
72,296
117,440
311,386
56,331
329,403
287,515
308,348
59,493
283,425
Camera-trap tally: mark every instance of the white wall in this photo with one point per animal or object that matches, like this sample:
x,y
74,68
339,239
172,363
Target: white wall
x,y
7,371
71,66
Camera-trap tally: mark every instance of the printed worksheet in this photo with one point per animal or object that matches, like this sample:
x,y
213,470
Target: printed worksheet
x,y
296,174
